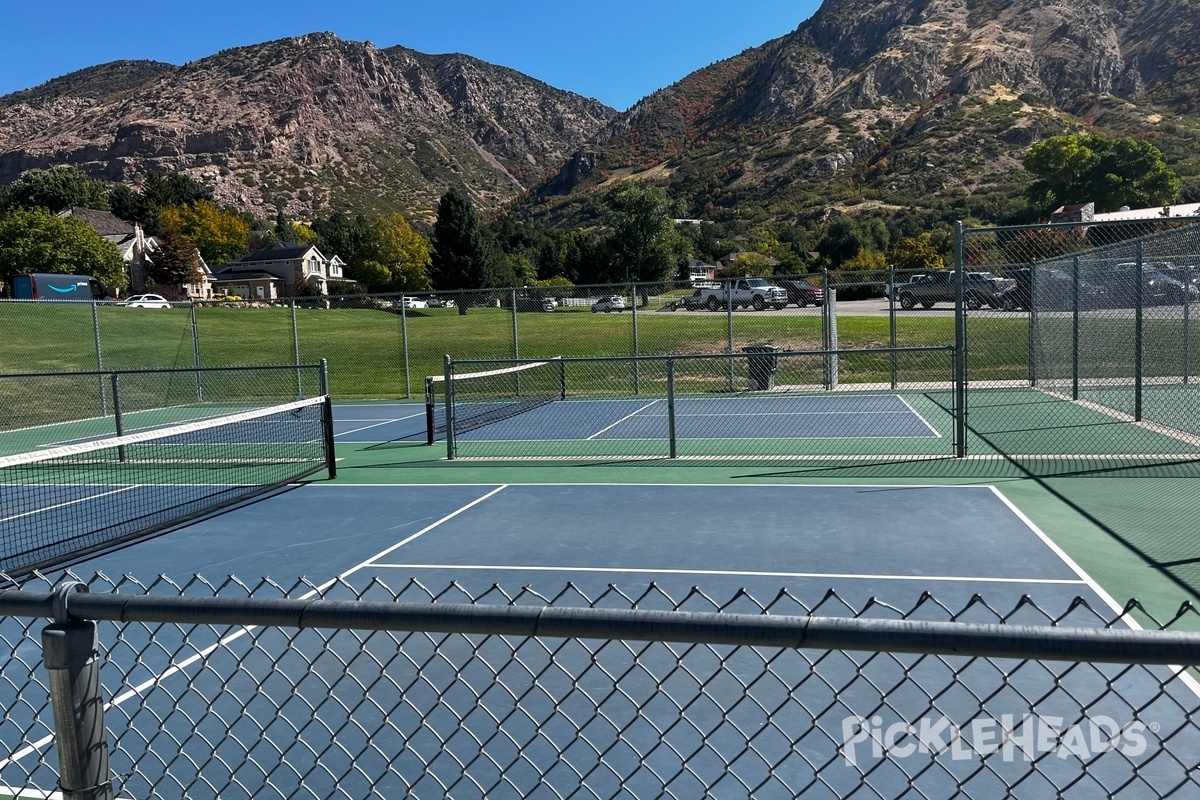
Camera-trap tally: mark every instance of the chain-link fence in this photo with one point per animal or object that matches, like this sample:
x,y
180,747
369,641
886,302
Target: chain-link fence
x,y
43,409
760,403
238,691
1095,334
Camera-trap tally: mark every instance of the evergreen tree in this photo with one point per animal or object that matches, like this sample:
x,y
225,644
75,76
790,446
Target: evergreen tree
x,y
55,189
461,257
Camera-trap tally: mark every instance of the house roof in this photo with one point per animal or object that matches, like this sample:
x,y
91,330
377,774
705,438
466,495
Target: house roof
x,y
105,223
1156,212
278,252
243,275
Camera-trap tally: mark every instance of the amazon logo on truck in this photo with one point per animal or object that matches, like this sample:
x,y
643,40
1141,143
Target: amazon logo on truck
x,y
50,286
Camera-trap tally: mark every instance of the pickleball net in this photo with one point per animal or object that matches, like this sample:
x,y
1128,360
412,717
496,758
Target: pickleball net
x,y
64,502
473,399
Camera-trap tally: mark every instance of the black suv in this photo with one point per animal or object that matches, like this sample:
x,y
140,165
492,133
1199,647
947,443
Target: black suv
x,y
802,293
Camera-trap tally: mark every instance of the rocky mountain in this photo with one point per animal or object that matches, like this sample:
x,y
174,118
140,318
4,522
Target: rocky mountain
x,y
897,104
308,124
919,107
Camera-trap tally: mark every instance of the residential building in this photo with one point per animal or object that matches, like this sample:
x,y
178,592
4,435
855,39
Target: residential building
x,y
280,270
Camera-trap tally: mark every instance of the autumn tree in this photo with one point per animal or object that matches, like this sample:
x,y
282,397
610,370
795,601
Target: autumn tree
x,y
1107,172
392,257
219,235
915,253
35,240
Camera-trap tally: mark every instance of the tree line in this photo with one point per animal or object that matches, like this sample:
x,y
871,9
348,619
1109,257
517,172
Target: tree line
x,y
631,233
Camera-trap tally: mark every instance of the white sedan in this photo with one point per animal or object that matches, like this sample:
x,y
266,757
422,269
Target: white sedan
x,y
607,304
146,301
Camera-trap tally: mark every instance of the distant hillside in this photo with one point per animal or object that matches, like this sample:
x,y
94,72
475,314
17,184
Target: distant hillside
x,y
925,105
308,124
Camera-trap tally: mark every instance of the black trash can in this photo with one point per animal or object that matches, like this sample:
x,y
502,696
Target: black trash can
x,y
761,365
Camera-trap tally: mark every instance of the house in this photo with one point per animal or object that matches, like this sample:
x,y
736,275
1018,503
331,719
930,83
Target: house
x,y
700,272
280,270
1075,212
1154,212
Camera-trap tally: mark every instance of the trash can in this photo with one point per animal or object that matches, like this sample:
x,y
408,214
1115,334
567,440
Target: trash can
x,y
761,366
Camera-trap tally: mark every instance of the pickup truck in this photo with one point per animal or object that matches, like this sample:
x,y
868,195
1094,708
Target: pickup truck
x,y
980,289
756,293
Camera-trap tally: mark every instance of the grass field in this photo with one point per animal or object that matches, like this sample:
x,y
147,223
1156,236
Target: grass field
x,y
376,353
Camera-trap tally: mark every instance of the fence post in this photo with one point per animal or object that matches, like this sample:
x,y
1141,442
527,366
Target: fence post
x,y
1138,329
729,330
1074,328
891,298
118,420
637,372
99,354
69,653
1187,307
296,352
196,353
671,446
960,342
448,401
404,349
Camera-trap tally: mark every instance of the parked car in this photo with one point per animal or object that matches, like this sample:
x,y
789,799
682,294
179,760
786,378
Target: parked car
x,y
1055,291
414,302
802,293
1158,287
980,289
693,302
146,301
437,302
611,303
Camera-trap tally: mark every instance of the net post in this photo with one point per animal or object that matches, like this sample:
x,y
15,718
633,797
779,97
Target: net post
x,y
447,370
562,378
430,415
671,407
70,657
324,377
327,426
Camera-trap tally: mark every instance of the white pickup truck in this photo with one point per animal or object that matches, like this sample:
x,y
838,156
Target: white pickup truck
x,y
756,293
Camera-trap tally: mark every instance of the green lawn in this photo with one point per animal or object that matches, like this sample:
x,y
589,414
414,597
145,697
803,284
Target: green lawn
x,y
376,353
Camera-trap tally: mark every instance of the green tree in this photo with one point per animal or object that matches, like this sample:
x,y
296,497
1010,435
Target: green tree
x,y
1107,172
642,242
845,236
175,261
55,189
461,256
393,257
915,252
340,235
35,240
220,235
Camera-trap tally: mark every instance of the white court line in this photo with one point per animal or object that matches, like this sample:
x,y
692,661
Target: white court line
x,y
1105,597
364,428
917,414
68,503
739,574
622,419
136,691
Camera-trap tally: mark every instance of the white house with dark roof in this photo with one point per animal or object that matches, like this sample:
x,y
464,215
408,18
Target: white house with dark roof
x,y
136,248
279,271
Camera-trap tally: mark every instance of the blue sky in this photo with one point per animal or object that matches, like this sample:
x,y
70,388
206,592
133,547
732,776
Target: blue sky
x,y
616,51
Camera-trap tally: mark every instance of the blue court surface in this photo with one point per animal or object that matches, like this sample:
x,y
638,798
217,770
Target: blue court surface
x,y
881,416
888,542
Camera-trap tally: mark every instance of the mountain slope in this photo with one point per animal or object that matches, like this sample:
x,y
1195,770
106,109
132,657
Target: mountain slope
x,y
904,102
306,124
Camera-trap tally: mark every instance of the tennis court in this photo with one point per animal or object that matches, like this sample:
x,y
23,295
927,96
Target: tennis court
x,y
302,714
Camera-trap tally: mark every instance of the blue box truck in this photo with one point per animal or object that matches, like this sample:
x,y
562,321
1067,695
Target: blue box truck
x,y
50,286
